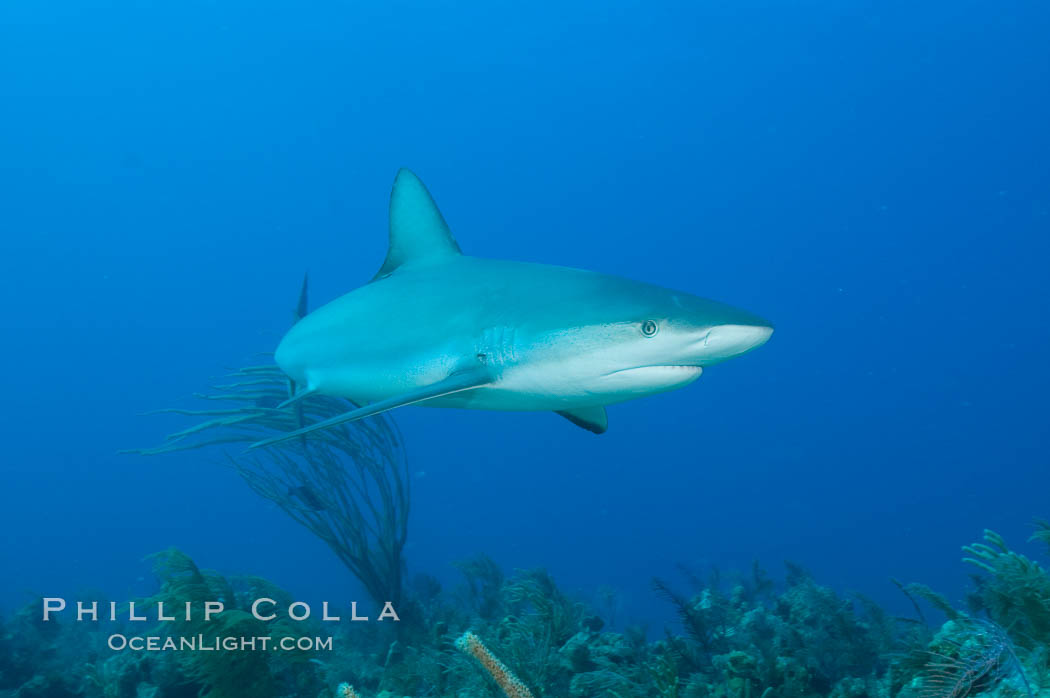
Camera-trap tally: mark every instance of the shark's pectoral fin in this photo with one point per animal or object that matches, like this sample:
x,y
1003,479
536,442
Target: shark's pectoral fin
x,y
457,382
593,419
418,232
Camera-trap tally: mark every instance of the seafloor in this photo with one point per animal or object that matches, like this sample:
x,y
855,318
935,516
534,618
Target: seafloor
x,y
740,637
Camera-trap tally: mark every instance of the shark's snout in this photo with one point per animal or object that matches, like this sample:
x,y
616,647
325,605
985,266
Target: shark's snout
x,y
726,341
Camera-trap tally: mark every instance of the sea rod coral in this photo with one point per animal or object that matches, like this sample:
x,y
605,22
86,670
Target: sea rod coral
x,y
471,644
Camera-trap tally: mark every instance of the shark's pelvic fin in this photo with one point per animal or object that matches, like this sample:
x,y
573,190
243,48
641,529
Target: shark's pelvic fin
x,y
593,419
457,382
418,232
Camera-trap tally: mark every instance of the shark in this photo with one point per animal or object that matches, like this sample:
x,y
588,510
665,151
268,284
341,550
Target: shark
x,y
438,328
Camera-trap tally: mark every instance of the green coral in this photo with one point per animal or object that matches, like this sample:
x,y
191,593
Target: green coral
x,y
1013,590
752,642
228,673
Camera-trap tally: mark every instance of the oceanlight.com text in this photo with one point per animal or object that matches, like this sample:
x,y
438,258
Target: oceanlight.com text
x,y
231,643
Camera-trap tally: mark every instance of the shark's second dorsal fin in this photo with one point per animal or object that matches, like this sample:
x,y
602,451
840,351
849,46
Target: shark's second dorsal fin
x,y
302,308
418,232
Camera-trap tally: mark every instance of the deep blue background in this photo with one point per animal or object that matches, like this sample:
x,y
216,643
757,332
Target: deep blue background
x,y
871,176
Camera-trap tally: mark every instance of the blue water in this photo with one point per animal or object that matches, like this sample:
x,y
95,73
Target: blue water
x,y
872,177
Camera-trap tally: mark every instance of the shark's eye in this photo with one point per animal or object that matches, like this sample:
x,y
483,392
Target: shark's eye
x,y
650,328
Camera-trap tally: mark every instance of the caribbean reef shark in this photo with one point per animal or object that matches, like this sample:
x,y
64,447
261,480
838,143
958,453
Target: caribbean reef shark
x,y
439,328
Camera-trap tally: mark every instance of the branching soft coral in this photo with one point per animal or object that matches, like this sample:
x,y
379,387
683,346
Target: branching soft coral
x,y
970,657
1014,592
348,485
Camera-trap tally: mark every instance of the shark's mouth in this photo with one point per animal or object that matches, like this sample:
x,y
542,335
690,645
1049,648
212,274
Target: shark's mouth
x,y
669,370
645,380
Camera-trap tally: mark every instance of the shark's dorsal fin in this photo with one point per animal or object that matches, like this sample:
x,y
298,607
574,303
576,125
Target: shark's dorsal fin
x,y
418,232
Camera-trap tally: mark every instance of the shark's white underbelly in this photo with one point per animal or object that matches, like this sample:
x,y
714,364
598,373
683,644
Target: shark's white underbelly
x,y
539,385
529,390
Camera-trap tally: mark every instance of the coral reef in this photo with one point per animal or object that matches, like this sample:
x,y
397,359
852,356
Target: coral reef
x,y
62,657
743,637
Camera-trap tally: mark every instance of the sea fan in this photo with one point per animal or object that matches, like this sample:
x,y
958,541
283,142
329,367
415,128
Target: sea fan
x,y
981,659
